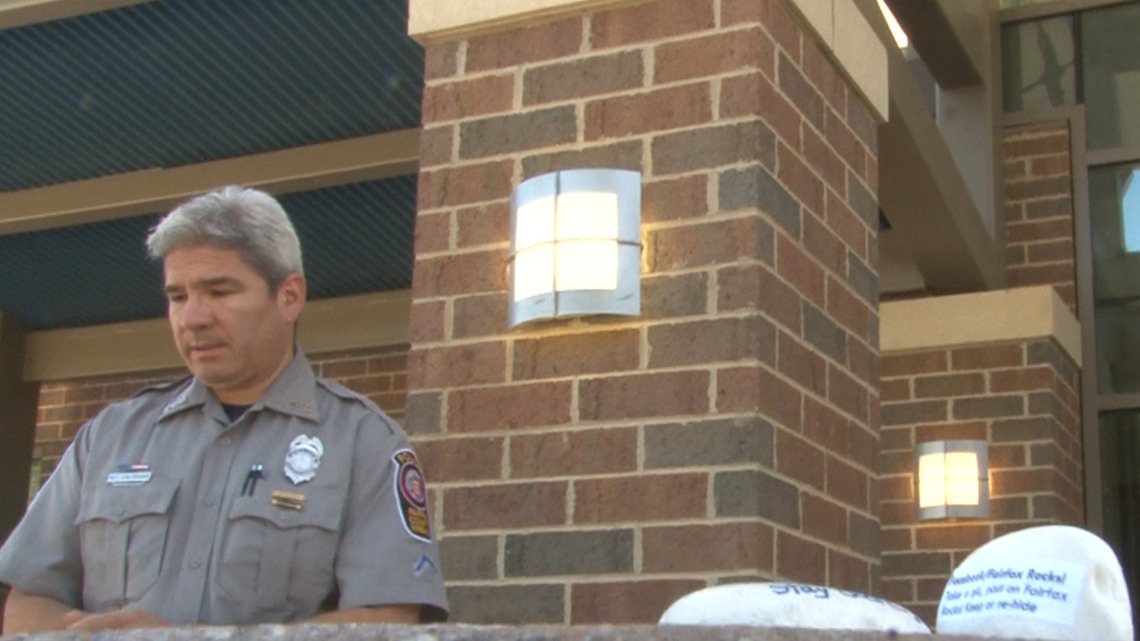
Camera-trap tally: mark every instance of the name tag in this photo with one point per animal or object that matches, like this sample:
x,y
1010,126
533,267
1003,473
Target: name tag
x,y
120,479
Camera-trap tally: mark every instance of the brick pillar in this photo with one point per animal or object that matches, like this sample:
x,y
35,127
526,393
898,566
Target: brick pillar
x,y
1022,397
1039,208
596,470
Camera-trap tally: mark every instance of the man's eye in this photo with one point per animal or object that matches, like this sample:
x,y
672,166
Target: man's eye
x,y
176,298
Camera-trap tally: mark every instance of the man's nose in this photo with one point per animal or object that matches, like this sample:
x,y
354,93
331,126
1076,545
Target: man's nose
x,y
196,313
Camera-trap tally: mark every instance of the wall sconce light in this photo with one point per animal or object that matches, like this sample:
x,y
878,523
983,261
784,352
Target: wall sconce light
x,y
951,479
575,245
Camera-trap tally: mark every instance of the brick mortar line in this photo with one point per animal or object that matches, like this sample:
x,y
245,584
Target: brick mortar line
x,y
585,427
605,578
488,248
604,476
573,528
577,330
648,86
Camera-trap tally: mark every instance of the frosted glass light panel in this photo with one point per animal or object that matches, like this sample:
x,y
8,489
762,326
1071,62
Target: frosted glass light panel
x,y
951,479
575,245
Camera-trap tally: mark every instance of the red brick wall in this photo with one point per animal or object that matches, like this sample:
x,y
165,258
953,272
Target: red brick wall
x,y
1022,397
381,374
1039,209
596,470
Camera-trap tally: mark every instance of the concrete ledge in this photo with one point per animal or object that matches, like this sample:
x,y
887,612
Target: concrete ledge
x,y
332,324
978,319
860,55
435,21
482,633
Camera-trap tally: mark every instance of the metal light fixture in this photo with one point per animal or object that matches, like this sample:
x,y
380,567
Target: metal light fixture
x,y
951,479
575,245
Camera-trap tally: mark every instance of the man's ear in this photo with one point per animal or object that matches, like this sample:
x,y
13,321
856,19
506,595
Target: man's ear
x,y
291,296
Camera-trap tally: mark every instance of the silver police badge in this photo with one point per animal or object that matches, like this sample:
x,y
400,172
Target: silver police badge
x,y
303,459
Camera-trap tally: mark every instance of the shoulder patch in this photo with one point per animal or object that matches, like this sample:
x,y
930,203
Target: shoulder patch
x,y
411,495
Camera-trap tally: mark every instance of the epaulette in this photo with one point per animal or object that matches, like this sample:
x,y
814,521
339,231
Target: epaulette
x,y
163,387
338,390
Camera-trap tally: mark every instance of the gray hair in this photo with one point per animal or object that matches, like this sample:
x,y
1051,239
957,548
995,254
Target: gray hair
x,y
246,220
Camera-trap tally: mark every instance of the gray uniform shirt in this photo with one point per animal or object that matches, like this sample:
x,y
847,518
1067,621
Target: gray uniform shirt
x,y
146,510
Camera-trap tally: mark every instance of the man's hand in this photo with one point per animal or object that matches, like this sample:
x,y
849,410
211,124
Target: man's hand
x,y
118,620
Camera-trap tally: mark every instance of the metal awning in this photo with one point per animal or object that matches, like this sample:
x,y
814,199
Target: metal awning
x,y
175,83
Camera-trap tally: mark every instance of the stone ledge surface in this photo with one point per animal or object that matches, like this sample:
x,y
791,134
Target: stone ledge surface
x,y
312,632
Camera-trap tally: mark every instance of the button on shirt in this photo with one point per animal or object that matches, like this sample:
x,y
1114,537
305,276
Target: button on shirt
x,y
183,540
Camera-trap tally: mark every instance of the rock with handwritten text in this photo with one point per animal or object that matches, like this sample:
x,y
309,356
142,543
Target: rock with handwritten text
x,y
791,605
1051,582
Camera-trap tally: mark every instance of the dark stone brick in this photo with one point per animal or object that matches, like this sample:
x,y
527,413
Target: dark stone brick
x,y
506,604
803,95
989,407
517,132
624,155
916,564
865,281
862,202
915,412
715,442
673,296
714,146
1023,429
1047,403
563,553
863,534
422,413
584,77
754,493
824,334
864,126
1044,507
469,557
705,341
755,187
1043,353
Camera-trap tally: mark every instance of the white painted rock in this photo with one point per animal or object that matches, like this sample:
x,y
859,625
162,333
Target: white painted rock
x,y
1051,582
791,605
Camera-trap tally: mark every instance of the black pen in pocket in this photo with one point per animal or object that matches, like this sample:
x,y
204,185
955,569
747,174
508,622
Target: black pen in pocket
x,y
256,472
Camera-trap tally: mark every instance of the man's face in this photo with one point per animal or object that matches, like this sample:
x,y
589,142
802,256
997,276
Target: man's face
x,y
234,334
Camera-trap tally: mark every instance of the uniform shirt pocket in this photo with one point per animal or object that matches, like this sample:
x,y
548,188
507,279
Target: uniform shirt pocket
x,y
281,559
122,532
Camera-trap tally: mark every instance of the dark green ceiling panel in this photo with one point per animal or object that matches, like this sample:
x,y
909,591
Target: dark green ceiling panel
x,y
177,82
355,239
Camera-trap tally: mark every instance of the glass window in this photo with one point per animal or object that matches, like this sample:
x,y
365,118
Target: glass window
x,y
1110,64
1120,482
1038,64
1114,194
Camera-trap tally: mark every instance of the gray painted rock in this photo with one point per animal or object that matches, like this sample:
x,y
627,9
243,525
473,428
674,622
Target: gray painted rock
x,y
791,605
1051,582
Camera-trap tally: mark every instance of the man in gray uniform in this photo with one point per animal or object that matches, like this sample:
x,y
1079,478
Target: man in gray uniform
x,y
251,492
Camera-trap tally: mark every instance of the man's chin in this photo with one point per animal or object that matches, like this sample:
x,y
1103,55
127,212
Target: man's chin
x,y
212,377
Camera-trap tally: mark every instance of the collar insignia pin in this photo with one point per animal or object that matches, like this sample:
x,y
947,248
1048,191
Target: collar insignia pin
x,y
303,459
176,403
